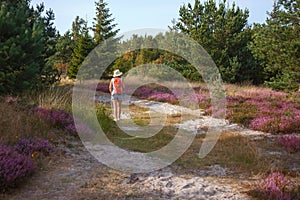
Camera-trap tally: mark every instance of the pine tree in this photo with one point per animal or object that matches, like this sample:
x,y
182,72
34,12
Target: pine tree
x,y
103,26
49,73
63,55
82,48
77,28
224,33
23,47
277,45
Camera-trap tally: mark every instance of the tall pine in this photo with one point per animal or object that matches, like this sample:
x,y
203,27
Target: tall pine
x,y
63,55
103,26
224,33
103,29
277,45
25,47
83,45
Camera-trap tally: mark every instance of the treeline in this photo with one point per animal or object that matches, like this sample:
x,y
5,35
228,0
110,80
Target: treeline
x,y
33,54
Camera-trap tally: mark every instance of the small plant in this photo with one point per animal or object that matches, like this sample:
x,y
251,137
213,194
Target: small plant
x,y
13,167
34,146
102,88
265,124
276,186
56,117
163,97
290,142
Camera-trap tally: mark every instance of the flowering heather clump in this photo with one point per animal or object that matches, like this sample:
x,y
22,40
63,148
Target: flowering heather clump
x,y
58,118
34,145
163,97
103,88
143,92
275,187
70,128
13,166
290,142
266,124
276,124
265,111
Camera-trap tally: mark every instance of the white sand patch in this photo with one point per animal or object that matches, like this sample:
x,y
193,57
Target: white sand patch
x,y
172,186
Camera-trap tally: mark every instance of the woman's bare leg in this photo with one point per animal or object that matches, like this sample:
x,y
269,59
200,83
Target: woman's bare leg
x,y
115,111
118,102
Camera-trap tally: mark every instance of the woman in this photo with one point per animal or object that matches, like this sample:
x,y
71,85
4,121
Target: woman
x,y
116,88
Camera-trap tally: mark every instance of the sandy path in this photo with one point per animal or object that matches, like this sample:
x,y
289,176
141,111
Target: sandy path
x,y
77,174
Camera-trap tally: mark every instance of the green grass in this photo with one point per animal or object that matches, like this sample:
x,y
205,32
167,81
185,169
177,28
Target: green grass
x,y
231,151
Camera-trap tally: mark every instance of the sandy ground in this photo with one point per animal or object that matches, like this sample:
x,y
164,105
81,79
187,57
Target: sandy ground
x,y
78,175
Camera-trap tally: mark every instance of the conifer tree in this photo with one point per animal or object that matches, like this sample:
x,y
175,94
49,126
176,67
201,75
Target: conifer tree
x,y
63,55
103,26
277,44
82,48
224,33
24,47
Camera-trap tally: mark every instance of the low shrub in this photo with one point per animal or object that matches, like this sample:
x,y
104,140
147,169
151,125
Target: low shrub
x,y
56,117
265,111
34,146
276,186
103,88
13,167
290,142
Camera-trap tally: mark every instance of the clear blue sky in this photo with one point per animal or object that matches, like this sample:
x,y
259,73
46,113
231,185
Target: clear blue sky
x,y
137,14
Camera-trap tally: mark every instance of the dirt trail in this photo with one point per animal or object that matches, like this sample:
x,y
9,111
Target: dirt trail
x,y
78,175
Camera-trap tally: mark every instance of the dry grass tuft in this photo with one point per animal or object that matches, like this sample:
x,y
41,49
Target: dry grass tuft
x,y
232,151
17,121
59,97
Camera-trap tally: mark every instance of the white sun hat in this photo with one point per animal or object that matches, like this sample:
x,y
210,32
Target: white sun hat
x,y
117,73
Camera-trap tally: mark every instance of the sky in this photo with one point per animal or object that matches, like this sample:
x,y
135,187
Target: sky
x,y
130,15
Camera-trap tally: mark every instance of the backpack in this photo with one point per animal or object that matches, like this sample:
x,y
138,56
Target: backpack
x,y
117,86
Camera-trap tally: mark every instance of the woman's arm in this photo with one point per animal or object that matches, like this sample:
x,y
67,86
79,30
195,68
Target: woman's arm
x,y
123,85
110,86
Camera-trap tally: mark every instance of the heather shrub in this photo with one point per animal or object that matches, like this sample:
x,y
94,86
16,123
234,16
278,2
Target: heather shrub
x,y
143,92
103,87
256,108
283,122
56,117
290,142
276,186
265,124
13,167
265,111
163,97
34,146
201,99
